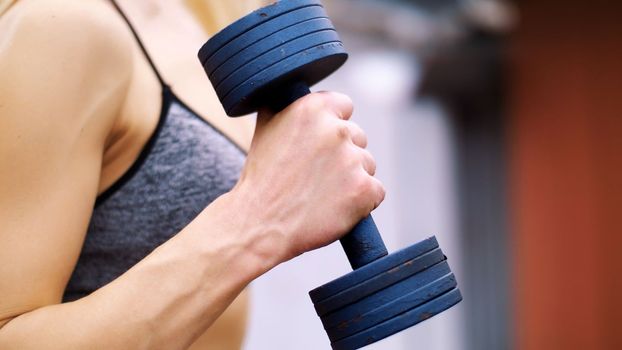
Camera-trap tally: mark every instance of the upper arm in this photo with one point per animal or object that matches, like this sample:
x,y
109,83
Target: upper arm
x,y
64,67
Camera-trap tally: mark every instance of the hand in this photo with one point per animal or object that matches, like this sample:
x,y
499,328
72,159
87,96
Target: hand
x,y
308,178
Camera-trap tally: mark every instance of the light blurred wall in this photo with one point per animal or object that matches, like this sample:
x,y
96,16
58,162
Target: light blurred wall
x,y
566,175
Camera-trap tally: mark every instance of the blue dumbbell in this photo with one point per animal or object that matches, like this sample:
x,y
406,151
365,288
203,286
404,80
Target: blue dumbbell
x,y
270,58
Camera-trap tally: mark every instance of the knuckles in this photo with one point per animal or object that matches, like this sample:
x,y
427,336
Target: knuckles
x,y
322,114
339,104
369,162
343,132
362,188
312,103
365,192
382,192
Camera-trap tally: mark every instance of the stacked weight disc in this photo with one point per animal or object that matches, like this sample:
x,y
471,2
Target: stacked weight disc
x,y
250,60
386,296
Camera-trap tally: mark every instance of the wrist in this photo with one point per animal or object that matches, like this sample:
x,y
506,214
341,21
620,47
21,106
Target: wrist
x,y
238,234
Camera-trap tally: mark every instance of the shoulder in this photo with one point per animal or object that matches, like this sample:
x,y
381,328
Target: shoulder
x,y
94,19
63,42
67,55
68,29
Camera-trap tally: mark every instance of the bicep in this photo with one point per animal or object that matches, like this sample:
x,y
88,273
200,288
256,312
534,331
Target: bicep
x,y
44,209
47,188
55,107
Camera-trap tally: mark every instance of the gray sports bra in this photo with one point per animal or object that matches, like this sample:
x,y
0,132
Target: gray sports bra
x,y
185,165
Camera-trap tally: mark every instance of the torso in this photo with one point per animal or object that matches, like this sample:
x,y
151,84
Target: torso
x,y
162,25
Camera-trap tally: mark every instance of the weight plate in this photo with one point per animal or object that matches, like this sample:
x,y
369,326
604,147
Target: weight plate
x,y
259,48
354,312
374,268
396,307
400,322
378,282
308,66
272,58
249,22
277,24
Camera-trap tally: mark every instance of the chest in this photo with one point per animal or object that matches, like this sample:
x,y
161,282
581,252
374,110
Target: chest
x,y
173,36
185,166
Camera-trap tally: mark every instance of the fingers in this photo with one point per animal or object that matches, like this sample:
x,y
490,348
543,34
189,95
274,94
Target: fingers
x,y
368,162
379,192
342,106
370,195
339,103
357,134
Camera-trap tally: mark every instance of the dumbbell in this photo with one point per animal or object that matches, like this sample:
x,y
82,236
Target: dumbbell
x,y
270,58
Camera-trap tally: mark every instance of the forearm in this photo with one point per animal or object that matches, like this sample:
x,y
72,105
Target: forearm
x,y
165,301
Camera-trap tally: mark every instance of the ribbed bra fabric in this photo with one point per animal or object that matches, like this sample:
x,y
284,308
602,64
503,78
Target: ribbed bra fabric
x,y
185,165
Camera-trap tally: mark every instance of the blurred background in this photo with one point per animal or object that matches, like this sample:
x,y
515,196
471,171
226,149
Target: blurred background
x,y
497,127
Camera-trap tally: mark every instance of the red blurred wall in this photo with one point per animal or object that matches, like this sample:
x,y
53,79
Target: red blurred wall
x,y
566,174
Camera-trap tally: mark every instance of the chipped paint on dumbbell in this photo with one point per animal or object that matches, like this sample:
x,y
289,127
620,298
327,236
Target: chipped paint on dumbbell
x,y
381,281
390,302
370,270
400,322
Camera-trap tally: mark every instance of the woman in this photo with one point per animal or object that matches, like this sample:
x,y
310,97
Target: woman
x,y
127,220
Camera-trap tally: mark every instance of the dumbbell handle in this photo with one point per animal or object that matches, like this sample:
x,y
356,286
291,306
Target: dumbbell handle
x,y
363,244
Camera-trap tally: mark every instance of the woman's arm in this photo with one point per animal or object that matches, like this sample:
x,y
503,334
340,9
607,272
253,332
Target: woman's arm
x,y
64,71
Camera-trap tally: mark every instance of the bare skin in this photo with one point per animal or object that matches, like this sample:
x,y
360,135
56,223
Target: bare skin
x,y
72,123
163,24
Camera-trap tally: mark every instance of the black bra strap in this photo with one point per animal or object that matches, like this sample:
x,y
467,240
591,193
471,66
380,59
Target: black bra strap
x,y
140,44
